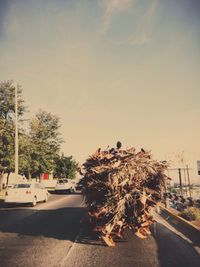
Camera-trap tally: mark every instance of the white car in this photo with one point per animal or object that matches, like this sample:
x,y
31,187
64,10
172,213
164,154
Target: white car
x,y
65,186
26,193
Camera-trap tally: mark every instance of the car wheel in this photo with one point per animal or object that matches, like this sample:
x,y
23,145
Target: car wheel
x,y
33,204
46,198
71,190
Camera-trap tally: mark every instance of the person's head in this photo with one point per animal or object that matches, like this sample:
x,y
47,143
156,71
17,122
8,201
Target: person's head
x,y
119,145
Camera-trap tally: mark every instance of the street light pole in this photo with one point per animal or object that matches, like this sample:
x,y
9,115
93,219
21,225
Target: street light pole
x,y
16,135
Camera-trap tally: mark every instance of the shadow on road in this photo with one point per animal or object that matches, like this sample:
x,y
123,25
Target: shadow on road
x,y
88,237
164,248
173,250
13,205
62,223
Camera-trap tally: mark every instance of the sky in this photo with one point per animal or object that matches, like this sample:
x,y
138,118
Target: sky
x,y
112,70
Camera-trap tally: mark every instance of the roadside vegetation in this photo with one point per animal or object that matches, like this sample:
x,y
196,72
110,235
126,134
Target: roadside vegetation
x,y
39,139
191,214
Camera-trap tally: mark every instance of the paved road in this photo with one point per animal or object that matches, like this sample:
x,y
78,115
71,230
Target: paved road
x,y
50,234
39,236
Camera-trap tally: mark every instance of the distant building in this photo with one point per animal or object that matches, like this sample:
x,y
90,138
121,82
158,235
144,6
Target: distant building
x,y
12,179
47,176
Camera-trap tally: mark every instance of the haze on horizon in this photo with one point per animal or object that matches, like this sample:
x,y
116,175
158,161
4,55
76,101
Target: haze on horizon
x,y
112,70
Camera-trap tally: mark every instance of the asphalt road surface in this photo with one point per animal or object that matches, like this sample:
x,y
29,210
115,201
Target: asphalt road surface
x,y
51,234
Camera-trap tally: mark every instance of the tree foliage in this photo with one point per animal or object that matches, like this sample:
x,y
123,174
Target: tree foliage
x,y
7,100
25,152
39,146
7,129
7,149
45,142
65,167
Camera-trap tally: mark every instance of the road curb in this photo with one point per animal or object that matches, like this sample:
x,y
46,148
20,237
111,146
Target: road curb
x,y
182,225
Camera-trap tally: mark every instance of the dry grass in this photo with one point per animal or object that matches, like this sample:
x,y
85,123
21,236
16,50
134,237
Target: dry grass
x,y
191,214
121,187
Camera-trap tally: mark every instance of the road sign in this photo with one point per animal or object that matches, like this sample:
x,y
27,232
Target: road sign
x,y
198,166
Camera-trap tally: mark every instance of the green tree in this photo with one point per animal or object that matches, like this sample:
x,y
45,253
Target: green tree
x,y
65,167
45,142
7,129
7,100
25,152
7,150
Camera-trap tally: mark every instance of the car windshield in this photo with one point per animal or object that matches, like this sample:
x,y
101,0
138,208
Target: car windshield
x,y
62,181
22,186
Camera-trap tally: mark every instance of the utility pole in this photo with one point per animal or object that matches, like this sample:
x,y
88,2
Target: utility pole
x,y
16,134
180,180
185,182
188,176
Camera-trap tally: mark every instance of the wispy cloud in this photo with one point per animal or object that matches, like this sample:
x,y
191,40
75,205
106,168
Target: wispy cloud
x,y
139,39
143,33
143,26
112,8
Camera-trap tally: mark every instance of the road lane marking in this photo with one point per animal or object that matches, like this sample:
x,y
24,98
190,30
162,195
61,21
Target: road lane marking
x,y
63,261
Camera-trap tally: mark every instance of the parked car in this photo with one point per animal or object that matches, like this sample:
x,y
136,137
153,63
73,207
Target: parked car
x,y
65,186
26,193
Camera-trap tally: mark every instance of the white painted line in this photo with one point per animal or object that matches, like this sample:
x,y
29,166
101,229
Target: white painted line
x,y
63,261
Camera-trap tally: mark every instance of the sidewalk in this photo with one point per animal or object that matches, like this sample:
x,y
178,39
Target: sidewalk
x,y
189,230
176,213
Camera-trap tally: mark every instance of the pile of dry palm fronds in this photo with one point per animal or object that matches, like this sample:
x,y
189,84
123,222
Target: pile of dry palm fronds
x,y
121,187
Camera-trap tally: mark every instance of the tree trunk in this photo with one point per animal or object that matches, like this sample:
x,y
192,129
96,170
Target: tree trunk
x,y
7,179
29,176
40,177
1,180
